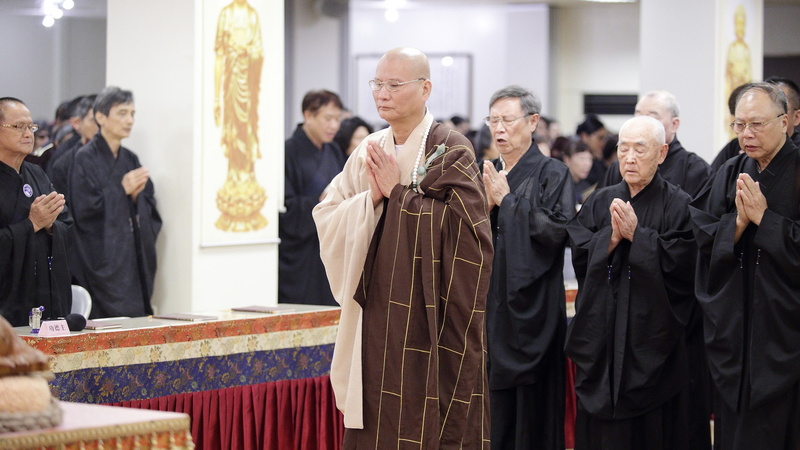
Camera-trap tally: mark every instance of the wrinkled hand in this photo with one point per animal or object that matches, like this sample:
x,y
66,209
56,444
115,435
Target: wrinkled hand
x,y
134,181
623,221
495,183
45,209
750,202
383,172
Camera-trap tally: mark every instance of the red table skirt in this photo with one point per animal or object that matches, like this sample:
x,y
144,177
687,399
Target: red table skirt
x,y
283,415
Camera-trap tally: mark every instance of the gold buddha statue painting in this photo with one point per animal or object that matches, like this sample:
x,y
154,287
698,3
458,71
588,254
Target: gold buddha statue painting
x,y
738,62
237,81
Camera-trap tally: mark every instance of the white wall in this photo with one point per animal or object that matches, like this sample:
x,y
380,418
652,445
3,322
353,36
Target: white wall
x,y
45,66
317,58
686,66
595,51
161,67
508,44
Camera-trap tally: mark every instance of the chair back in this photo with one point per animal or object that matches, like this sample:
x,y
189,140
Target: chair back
x,y
81,301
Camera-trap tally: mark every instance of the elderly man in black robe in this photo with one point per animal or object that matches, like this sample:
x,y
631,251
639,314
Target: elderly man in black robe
x,y
633,254
690,173
34,223
747,224
530,200
116,221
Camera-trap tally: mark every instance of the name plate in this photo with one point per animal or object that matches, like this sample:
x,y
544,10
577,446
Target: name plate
x,y
54,328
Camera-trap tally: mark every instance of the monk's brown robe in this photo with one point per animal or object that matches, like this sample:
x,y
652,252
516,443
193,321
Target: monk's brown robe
x,y
423,294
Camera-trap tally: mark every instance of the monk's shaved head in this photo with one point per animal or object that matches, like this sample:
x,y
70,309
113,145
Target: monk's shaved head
x,y
416,60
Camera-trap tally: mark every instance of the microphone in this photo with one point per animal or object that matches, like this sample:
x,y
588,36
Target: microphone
x,y
75,322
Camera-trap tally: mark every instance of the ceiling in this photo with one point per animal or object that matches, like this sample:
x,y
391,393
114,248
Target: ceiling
x,y
98,8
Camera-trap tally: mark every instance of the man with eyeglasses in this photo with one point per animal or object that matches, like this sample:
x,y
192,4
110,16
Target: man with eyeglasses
x,y
406,242
634,255
792,92
34,225
114,207
690,173
530,202
746,224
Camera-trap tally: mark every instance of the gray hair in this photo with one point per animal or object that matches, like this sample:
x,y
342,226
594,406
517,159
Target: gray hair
x,y
529,103
656,128
775,93
667,99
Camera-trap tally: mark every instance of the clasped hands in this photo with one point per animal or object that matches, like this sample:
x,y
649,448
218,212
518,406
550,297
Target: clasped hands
x,y
45,209
750,202
623,222
134,181
495,184
382,172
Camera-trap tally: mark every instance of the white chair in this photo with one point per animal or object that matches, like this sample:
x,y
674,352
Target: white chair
x,y
81,301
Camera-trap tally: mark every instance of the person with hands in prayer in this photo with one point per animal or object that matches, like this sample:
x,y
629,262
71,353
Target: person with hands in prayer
x,y
530,201
34,226
406,242
747,223
633,253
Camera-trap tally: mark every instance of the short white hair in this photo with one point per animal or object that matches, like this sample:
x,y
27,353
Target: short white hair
x,y
656,128
667,100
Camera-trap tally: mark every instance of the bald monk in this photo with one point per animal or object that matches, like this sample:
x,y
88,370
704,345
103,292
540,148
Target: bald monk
x,y
406,242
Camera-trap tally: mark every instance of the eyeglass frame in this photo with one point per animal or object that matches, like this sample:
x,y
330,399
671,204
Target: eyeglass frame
x,y
393,87
21,128
759,126
506,122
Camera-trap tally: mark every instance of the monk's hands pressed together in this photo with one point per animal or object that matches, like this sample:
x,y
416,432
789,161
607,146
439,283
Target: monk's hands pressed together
x,y
750,202
134,181
495,183
45,209
383,172
623,222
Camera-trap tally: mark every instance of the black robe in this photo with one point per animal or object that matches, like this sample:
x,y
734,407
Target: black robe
x,y
689,172
309,170
750,290
681,168
526,318
115,236
33,266
627,338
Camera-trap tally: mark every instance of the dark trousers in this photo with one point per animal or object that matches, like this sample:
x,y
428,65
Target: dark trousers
x,y
773,425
